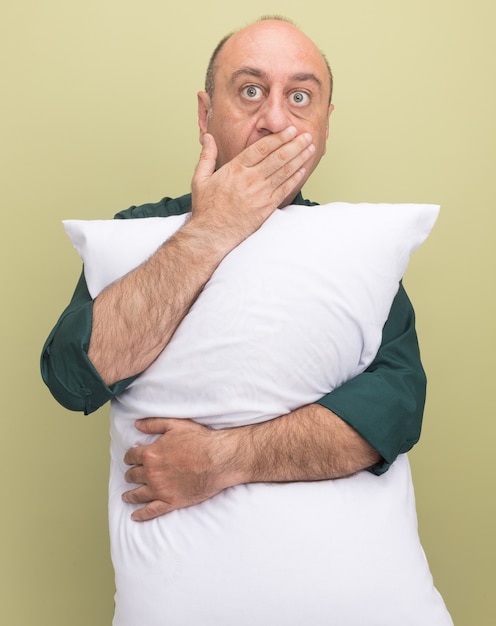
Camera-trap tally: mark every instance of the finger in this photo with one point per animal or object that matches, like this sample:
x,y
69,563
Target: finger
x,y
153,425
289,187
289,158
134,456
136,475
274,150
140,495
261,149
295,166
151,511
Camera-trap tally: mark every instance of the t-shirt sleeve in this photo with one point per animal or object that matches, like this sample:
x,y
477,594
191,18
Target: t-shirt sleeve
x,y
65,366
385,403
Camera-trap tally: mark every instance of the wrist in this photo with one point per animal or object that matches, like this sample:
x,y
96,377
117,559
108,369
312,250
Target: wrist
x,y
231,456
208,240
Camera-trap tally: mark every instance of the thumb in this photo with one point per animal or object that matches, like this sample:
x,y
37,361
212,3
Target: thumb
x,y
153,425
208,157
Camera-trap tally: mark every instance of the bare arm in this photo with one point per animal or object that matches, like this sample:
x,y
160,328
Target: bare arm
x,y
190,463
134,319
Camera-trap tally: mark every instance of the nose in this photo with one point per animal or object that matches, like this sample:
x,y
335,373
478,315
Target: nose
x,y
273,115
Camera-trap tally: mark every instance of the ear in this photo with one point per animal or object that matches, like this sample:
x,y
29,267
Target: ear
x,y
204,106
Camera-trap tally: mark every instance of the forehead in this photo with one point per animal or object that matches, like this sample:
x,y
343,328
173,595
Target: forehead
x,y
275,49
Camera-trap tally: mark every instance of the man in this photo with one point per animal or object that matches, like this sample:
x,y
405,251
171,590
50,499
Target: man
x,y
263,123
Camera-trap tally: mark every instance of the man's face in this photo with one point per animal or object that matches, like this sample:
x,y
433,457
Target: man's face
x,y
268,76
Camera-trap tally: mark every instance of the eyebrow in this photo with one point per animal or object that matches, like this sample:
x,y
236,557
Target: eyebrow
x,y
299,77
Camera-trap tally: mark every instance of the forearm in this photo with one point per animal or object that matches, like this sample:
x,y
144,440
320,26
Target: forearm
x,y
189,463
135,318
311,443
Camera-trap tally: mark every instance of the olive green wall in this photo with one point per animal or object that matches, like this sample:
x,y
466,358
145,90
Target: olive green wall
x,y
98,111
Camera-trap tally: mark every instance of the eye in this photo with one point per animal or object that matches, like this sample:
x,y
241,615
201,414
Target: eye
x,y
299,98
251,92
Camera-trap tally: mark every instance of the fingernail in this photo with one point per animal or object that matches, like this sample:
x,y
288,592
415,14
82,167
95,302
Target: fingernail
x,y
292,130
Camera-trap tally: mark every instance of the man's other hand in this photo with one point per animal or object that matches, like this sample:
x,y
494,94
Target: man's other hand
x,y
187,464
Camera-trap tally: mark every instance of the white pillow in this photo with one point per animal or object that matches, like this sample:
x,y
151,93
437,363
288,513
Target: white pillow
x,y
290,314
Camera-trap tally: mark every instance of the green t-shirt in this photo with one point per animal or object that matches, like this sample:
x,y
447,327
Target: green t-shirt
x,y
384,404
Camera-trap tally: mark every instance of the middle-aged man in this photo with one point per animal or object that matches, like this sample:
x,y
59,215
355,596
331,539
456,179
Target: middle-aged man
x,y
263,121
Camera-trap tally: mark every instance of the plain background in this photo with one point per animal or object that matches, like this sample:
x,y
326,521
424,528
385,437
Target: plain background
x,y
98,112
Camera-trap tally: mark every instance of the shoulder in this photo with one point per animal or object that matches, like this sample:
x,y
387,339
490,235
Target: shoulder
x,y
165,207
